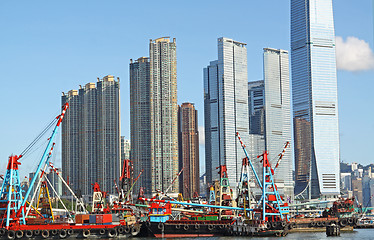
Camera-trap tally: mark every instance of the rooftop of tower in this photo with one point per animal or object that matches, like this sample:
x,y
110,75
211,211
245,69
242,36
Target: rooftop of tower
x,y
161,39
233,41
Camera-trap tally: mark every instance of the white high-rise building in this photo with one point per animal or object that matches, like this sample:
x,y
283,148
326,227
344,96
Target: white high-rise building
x,y
278,115
315,99
226,109
270,115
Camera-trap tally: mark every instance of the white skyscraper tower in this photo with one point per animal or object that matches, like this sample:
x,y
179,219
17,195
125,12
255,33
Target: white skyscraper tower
x,y
315,98
226,109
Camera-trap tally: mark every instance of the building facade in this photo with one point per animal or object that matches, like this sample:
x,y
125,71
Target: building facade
x,y
125,148
140,122
270,114
189,182
154,117
278,115
164,113
226,110
91,136
315,101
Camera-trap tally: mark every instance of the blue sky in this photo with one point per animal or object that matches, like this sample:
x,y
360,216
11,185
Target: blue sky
x,y
48,47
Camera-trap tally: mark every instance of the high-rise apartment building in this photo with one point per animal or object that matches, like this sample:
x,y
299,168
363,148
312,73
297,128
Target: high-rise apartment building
x,y
154,116
91,136
270,114
140,122
315,100
226,110
189,150
164,112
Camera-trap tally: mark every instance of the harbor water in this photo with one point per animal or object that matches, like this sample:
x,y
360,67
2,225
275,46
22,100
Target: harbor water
x,y
361,234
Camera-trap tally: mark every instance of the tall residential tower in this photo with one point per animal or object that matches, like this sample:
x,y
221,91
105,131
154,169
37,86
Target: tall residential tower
x,y
315,98
189,150
154,116
140,122
164,112
91,136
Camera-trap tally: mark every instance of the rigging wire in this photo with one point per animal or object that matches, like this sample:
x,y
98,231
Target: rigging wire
x,y
45,130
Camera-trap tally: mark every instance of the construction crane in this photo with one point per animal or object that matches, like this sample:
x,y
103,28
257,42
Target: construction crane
x,y
12,203
126,180
79,202
270,204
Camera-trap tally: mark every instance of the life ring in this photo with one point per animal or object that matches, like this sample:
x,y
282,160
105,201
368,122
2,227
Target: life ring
x,y
283,224
102,231
63,234
112,232
54,231
319,224
350,221
274,224
36,232
28,234
197,226
135,230
178,226
186,227
19,234
278,234
160,225
45,234
120,229
2,231
343,222
293,225
312,224
268,225
11,234
86,233
127,229
210,227
70,232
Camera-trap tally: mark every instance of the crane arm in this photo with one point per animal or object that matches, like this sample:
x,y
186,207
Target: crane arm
x,y
281,154
43,161
249,160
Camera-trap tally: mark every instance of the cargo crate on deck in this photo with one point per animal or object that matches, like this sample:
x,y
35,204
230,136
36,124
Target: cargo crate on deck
x,y
92,219
107,218
99,218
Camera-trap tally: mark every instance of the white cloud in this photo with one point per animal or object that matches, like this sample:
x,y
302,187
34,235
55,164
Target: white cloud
x,y
353,54
201,135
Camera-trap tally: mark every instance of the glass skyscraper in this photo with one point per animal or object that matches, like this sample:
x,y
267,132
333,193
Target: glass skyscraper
x,y
226,110
315,100
270,114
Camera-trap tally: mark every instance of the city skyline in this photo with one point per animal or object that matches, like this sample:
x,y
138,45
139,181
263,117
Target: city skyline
x,y
78,67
